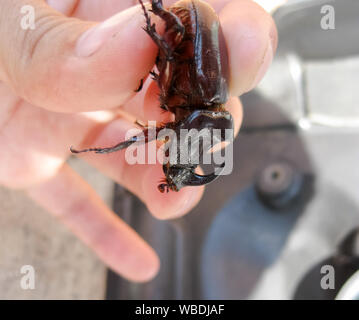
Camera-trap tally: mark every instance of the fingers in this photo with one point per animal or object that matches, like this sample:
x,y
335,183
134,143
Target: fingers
x,y
66,7
170,205
63,66
141,179
34,156
35,142
99,10
92,10
77,205
105,64
251,38
235,108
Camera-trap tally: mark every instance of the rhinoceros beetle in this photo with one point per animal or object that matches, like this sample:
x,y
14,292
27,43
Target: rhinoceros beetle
x,y
192,76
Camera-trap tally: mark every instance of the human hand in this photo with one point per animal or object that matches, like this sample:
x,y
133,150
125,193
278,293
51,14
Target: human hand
x,y
54,75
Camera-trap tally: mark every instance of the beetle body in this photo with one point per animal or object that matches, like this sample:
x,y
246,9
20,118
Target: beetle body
x,y
192,77
196,77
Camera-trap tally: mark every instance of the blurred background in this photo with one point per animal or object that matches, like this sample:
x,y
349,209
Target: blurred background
x,y
290,207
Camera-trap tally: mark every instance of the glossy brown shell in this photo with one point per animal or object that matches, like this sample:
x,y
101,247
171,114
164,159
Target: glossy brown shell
x,y
197,78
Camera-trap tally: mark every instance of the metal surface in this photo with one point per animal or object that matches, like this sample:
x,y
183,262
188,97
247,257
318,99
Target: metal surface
x,y
234,246
350,290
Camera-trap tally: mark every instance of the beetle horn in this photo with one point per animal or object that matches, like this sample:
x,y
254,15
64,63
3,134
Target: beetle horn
x,y
199,180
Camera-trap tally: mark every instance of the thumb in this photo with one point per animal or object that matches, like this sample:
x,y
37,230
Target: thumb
x,y
68,65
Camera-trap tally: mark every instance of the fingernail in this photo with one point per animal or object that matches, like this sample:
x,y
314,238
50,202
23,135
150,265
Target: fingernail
x,y
94,38
267,60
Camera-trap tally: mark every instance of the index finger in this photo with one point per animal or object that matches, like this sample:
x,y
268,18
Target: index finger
x,y
75,203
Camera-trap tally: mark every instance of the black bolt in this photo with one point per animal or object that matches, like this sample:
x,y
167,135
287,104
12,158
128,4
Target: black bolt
x,y
278,185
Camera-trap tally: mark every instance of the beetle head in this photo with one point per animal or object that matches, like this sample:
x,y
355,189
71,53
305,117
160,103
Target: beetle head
x,y
179,174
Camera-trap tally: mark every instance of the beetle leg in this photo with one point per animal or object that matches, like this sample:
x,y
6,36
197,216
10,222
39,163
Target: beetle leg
x,y
172,21
160,42
120,146
151,31
117,147
145,138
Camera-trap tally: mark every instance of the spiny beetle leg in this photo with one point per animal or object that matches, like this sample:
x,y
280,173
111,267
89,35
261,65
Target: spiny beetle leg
x,y
117,147
151,31
145,138
171,20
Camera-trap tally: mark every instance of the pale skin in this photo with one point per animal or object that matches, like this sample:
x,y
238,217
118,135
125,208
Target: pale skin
x,y
53,76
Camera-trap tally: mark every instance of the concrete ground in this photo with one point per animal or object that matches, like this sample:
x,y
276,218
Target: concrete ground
x,y
64,267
